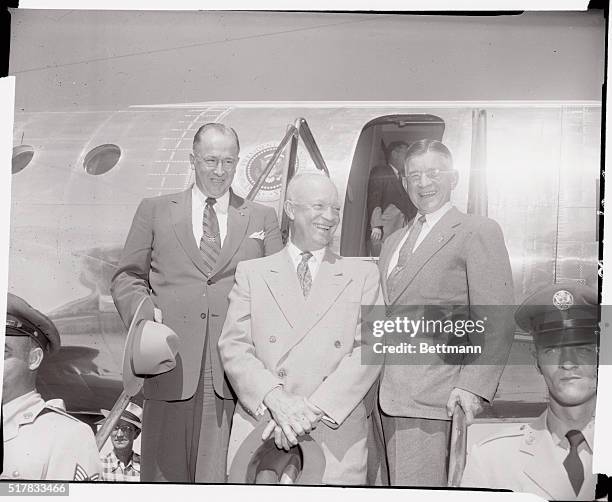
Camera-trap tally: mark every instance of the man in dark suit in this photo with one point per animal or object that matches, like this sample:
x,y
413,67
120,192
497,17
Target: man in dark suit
x,y
389,207
442,257
181,253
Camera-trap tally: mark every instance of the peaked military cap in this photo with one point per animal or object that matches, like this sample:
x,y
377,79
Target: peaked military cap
x,y
561,314
24,320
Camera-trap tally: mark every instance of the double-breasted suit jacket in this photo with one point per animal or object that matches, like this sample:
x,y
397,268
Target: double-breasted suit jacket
x,y
310,346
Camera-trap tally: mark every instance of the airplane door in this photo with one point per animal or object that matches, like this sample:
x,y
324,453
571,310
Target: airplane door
x,y
286,152
375,137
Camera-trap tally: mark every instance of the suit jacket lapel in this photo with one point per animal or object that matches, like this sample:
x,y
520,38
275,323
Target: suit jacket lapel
x,y
543,468
283,284
385,258
238,215
180,210
329,283
442,232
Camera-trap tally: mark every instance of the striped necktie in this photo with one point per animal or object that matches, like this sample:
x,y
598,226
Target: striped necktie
x,y
210,243
572,463
303,272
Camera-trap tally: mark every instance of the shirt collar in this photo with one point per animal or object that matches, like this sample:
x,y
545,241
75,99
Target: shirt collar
x,y
134,461
222,202
16,406
21,410
432,218
296,253
395,169
558,429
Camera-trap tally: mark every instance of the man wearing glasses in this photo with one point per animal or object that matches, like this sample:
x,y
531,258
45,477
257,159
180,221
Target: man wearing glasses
x,y
291,344
181,253
442,257
123,463
551,457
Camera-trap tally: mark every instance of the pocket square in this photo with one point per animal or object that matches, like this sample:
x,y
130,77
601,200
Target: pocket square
x,y
258,235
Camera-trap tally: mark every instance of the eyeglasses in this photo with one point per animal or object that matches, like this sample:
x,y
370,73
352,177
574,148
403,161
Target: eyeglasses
x,y
228,163
319,207
433,174
126,429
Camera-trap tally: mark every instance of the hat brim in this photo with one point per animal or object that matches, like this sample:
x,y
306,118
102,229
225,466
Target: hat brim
x,y
247,458
131,382
106,413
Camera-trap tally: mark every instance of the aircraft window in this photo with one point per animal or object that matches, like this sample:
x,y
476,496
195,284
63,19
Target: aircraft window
x,y
101,159
22,155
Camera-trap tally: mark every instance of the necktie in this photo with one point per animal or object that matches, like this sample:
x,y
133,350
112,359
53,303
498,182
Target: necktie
x,y
210,243
303,273
572,463
406,250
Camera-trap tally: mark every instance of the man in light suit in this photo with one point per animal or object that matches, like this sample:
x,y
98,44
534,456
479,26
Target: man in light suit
x,y
181,253
443,257
292,344
553,456
389,207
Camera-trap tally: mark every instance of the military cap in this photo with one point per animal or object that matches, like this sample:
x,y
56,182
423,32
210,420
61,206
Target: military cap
x,y
24,320
560,314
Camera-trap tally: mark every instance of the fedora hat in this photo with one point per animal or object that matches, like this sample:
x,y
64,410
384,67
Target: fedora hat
x,y
150,348
131,414
261,462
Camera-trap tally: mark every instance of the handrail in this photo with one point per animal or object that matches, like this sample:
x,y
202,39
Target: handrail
x,y
311,145
291,132
458,447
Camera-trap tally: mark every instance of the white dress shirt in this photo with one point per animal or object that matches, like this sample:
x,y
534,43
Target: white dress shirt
x,y
430,221
313,263
198,202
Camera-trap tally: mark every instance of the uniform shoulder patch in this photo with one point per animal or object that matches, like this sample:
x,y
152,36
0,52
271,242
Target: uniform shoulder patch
x,y
80,474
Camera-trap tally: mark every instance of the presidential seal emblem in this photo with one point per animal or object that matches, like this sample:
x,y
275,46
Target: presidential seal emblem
x,y
254,166
563,299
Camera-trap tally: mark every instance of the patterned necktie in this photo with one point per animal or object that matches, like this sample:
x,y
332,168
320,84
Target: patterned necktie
x,y
303,272
572,463
210,243
406,250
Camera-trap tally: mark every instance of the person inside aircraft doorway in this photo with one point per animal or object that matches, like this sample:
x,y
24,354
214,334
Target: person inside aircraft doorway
x,y
389,207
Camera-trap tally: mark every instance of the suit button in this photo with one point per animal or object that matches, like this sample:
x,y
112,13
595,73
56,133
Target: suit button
x,y
210,282
282,373
203,315
337,344
272,339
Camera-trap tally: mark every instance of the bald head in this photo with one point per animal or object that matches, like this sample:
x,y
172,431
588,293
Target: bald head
x,y
215,128
304,184
313,208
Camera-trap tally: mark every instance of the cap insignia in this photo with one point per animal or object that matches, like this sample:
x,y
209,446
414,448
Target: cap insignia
x,y
563,299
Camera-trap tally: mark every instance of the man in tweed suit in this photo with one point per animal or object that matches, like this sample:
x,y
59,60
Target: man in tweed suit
x,y
442,257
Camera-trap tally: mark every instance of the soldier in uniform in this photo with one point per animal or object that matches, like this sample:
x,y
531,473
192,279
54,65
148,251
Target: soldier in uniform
x,y
551,457
41,440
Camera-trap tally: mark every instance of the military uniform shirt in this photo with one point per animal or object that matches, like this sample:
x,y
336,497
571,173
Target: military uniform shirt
x,y
530,459
43,442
